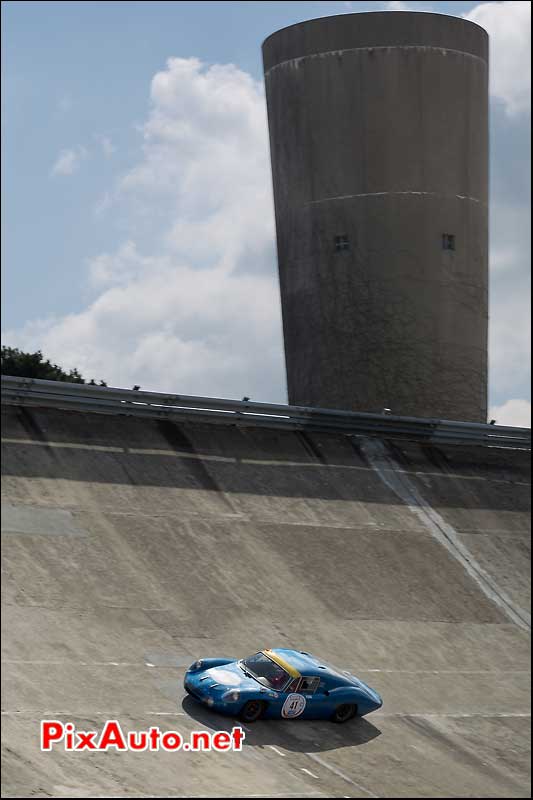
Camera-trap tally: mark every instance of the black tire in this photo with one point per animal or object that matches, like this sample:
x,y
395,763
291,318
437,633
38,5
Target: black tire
x,y
252,711
344,712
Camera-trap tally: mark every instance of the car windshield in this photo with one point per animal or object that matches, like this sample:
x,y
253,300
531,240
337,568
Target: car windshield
x,y
266,671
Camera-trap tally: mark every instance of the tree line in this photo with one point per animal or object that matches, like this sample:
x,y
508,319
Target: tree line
x,y
34,365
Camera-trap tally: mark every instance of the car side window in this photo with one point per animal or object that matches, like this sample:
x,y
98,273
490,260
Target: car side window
x,y
309,685
293,685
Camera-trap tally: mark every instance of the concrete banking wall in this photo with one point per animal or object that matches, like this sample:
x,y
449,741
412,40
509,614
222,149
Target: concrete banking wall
x,y
132,547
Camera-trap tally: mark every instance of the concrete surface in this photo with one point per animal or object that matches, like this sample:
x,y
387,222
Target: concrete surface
x,y
379,132
132,547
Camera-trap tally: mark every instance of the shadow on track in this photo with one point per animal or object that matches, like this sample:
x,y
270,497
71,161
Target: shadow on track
x,y
298,736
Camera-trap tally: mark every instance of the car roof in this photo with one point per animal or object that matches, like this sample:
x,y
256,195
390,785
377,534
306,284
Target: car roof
x,y
307,664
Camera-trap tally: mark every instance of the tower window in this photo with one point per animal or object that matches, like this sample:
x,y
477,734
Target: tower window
x,y
342,243
448,241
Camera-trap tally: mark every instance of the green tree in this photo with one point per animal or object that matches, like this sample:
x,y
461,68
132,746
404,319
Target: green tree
x,y
33,365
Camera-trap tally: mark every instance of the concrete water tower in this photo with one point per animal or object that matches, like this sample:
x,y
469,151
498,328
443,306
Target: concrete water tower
x,y
379,145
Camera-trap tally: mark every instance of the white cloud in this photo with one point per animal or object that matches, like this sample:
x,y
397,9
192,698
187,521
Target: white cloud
x,y
399,5
117,269
509,336
69,161
510,305
198,311
509,27
513,412
207,158
171,328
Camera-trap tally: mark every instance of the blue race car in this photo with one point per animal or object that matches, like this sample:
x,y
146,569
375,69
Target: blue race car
x,y
279,684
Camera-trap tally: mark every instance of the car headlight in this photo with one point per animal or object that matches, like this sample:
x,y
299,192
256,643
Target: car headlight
x,y
195,666
231,696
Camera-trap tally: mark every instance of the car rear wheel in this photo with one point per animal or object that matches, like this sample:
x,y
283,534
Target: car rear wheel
x,y
344,712
252,710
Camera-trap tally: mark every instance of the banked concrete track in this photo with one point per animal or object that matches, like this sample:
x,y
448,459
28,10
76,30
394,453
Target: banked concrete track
x,y
132,547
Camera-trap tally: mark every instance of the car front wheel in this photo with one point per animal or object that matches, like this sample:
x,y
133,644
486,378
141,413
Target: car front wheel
x,y
252,710
344,713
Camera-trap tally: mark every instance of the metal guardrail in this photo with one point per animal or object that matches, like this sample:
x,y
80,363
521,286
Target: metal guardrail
x,y
129,402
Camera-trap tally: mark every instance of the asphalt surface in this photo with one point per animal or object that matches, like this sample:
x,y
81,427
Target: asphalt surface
x,y
132,547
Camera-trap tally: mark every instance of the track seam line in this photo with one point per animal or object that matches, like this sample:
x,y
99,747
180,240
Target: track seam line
x,y
442,531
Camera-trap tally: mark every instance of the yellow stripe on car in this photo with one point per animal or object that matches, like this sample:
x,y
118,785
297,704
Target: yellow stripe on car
x,y
282,663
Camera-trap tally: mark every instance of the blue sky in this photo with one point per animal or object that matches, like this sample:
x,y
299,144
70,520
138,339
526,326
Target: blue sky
x,y
126,227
